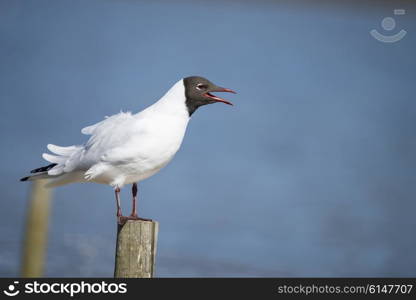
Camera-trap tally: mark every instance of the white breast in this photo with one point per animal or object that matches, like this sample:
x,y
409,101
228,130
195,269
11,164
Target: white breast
x,y
146,144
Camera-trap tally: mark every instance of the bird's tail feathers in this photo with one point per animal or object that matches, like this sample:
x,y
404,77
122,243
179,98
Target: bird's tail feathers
x,y
58,167
61,156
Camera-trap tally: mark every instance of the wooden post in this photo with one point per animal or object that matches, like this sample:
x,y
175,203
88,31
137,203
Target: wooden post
x,y
34,244
136,249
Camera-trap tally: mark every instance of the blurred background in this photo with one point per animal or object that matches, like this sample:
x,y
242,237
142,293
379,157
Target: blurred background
x,y
311,173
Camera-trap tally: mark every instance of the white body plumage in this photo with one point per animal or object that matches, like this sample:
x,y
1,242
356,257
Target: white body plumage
x,y
124,148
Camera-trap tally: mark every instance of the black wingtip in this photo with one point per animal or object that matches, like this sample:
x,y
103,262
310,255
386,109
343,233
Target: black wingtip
x,y
25,178
43,169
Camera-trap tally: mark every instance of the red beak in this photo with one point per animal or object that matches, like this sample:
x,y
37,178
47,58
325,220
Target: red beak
x,y
218,99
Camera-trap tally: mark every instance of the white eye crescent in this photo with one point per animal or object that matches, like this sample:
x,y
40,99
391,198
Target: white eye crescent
x,y
201,86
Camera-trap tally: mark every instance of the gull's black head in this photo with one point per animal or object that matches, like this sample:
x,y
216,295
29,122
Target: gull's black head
x,y
198,92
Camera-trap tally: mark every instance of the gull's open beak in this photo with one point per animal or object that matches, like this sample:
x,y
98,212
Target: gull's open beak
x,y
216,98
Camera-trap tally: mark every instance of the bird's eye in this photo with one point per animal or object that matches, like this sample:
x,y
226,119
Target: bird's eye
x,y
201,86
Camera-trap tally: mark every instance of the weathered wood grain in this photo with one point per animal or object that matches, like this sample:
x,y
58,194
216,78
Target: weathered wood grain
x,y
136,249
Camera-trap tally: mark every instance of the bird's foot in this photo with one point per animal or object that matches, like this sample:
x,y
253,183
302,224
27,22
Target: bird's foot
x,y
123,219
136,217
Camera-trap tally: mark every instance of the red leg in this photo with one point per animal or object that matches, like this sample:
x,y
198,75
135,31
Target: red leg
x,y
133,215
134,200
117,192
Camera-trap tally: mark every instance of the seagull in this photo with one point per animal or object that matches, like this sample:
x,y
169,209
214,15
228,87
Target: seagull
x,y
127,148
